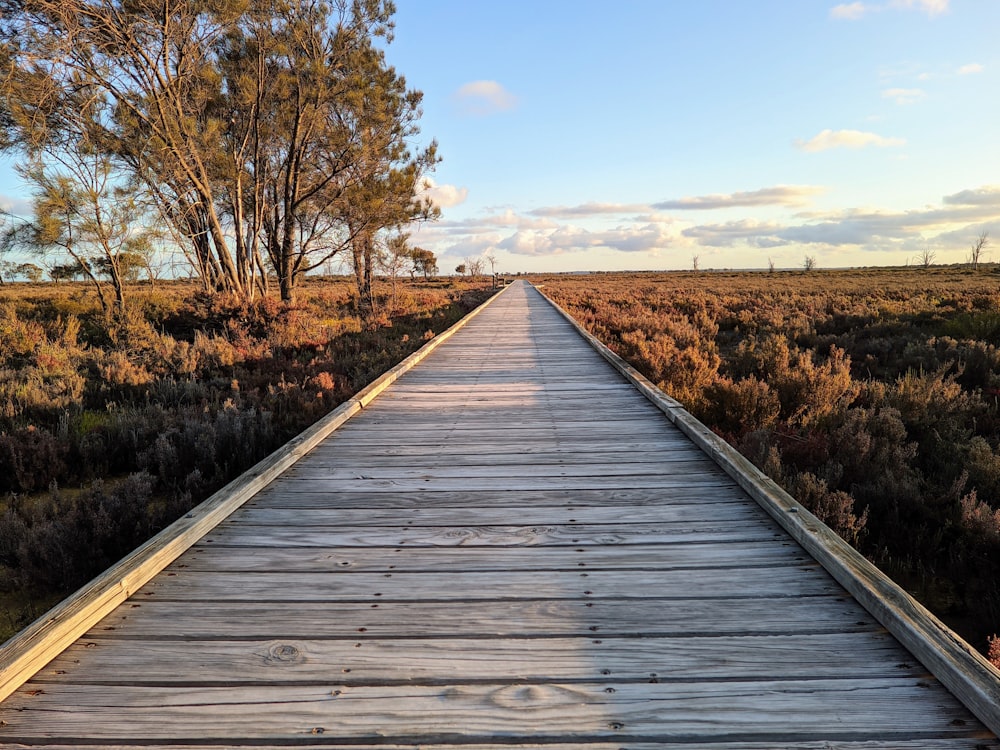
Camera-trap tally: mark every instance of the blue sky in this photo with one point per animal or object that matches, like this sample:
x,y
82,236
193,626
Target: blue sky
x,y
580,135
591,135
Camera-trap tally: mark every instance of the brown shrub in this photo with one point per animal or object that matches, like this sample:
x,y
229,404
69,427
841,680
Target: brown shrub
x,y
833,507
980,520
740,406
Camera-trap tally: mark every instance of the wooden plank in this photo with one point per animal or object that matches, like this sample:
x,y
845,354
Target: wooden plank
x,y
278,495
410,389
494,458
951,743
960,667
771,711
492,516
215,557
455,661
193,586
438,447
37,644
502,446
708,478
483,414
330,471
386,423
542,618
498,536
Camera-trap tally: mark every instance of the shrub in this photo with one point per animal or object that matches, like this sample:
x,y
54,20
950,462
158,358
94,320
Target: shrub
x,y
30,459
833,507
64,542
744,405
993,650
981,521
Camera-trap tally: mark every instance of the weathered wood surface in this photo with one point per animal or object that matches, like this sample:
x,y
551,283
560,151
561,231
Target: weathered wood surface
x,y
510,547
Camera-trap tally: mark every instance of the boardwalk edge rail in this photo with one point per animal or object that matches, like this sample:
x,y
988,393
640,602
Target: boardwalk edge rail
x,y
44,639
962,669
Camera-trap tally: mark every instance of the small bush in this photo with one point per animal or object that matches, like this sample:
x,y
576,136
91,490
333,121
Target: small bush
x,y
30,460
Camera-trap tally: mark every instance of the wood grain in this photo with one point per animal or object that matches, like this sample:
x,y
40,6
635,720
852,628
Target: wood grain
x,y
536,618
452,661
763,710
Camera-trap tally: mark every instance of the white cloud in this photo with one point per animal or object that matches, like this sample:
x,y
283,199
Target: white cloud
x,y
930,7
904,96
506,218
444,196
540,234
829,139
470,247
480,98
647,238
589,209
959,215
779,195
970,69
849,11
855,11
750,231
988,195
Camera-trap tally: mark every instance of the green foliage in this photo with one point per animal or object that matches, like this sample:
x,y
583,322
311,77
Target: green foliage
x,y
424,262
270,137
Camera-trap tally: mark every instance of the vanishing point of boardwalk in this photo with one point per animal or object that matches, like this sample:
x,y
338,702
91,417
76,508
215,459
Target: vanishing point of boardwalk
x,y
510,547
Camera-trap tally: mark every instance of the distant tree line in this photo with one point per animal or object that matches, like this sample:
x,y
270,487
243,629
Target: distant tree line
x,y
260,137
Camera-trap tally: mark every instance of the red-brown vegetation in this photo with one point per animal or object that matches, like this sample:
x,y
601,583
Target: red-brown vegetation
x,y
111,429
872,396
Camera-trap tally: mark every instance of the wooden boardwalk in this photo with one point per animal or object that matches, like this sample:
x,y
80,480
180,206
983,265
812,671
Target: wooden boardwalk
x,y
510,547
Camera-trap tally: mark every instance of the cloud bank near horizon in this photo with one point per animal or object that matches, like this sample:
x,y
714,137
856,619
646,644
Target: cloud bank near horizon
x,y
567,230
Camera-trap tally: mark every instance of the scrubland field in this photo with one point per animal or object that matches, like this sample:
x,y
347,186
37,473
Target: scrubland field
x,y
871,395
110,428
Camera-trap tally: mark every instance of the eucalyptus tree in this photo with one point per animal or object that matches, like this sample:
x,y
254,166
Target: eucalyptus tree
x,y
82,218
424,262
383,193
270,134
144,69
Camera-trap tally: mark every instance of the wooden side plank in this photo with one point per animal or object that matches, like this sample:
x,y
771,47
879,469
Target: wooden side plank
x,y
36,645
965,672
